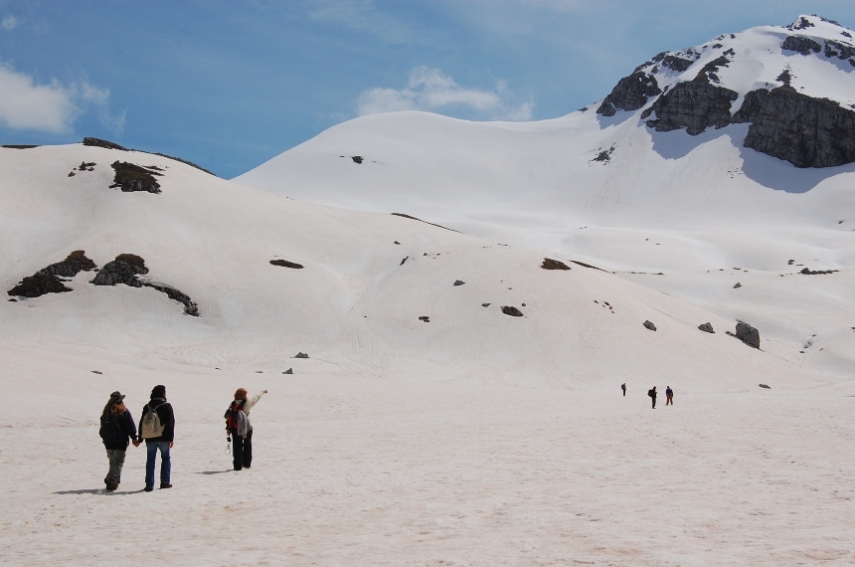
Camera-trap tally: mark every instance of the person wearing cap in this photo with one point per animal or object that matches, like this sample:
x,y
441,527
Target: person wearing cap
x,y
162,441
117,427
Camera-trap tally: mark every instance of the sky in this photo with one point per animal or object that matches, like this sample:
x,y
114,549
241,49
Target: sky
x,y
229,85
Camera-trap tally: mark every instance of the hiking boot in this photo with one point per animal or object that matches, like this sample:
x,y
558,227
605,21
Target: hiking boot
x,y
149,488
165,485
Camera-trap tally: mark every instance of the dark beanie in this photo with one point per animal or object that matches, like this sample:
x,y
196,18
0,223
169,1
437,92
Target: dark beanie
x,y
158,392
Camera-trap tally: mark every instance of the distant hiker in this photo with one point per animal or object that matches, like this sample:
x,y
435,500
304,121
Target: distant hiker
x,y
669,396
652,393
239,428
623,387
117,427
157,428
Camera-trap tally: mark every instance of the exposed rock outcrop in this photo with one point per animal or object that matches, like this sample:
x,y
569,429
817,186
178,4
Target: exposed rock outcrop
x,y
631,93
125,269
47,280
98,142
131,177
706,327
805,131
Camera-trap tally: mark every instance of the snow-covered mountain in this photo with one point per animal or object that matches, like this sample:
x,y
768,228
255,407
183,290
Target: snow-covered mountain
x,y
673,173
139,254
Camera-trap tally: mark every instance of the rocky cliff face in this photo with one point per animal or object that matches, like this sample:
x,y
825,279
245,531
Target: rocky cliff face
x,y
691,90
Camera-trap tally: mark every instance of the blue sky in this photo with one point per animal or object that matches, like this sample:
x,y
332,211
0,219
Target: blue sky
x,y
230,84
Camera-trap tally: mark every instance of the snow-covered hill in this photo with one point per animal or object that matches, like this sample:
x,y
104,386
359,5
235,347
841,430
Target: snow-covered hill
x,y
375,292
639,189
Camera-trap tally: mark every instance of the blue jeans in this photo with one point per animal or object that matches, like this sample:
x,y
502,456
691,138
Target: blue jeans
x,y
151,448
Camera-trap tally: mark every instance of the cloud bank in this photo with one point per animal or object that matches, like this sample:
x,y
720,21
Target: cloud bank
x,y
51,107
432,90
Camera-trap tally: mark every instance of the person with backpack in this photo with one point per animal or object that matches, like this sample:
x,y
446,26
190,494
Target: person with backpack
x,y
669,396
652,393
157,428
117,427
239,428
623,387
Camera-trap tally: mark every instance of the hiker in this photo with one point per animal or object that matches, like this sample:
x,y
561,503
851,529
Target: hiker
x,y
239,428
157,428
623,387
669,396
117,427
652,393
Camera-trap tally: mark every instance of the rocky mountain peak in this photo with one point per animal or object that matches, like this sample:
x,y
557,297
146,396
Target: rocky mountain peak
x,y
794,86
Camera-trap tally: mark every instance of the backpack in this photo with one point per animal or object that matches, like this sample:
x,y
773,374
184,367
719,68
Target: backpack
x,y
232,415
150,427
650,393
111,430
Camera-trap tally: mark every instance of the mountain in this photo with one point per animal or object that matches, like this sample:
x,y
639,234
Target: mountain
x,y
672,174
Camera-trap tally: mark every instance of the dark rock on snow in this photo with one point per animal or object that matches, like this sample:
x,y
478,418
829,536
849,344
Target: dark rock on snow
x,y
765,386
706,327
631,93
286,264
125,269
649,325
748,334
98,142
131,177
459,282
424,318
550,264
512,311
289,371
301,355
47,279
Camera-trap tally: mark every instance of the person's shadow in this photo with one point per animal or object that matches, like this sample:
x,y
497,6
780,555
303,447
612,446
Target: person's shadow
x,y
214,472
99,491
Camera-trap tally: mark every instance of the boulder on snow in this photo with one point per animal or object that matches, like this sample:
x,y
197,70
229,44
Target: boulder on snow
x,y
289,371
765,386
286,264
131,177
550,264
512,311
649,325
706,327
301,355
424,318
748,334
459,282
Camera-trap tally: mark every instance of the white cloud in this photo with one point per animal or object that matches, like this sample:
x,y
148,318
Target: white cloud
x,y
10,22
432,90
51,107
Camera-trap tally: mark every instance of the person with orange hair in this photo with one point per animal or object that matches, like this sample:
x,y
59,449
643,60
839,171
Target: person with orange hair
x,y
239,428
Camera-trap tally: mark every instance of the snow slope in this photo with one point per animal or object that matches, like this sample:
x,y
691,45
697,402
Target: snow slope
x,y
703,210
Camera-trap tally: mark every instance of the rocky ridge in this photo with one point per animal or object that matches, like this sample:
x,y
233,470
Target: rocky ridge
x,y
704,87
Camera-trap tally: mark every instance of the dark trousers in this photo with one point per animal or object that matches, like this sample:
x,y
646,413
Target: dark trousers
x,y
242,451
654,401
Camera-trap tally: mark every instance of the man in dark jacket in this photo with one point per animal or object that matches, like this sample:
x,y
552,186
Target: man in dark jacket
x,y
652,393
158,431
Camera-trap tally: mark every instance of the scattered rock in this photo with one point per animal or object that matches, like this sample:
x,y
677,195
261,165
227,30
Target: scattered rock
x,y
584,265
259,372
404,260
737,286
356,159
809,272
73,264
190,307
791,262
512,311
131,177
398,243
19,146
420,220
424,318
301,355
649,325
96,372
605,156
286,264
523,304
488,305
747,334
706,327
459,282
289,371
765,386
550,264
